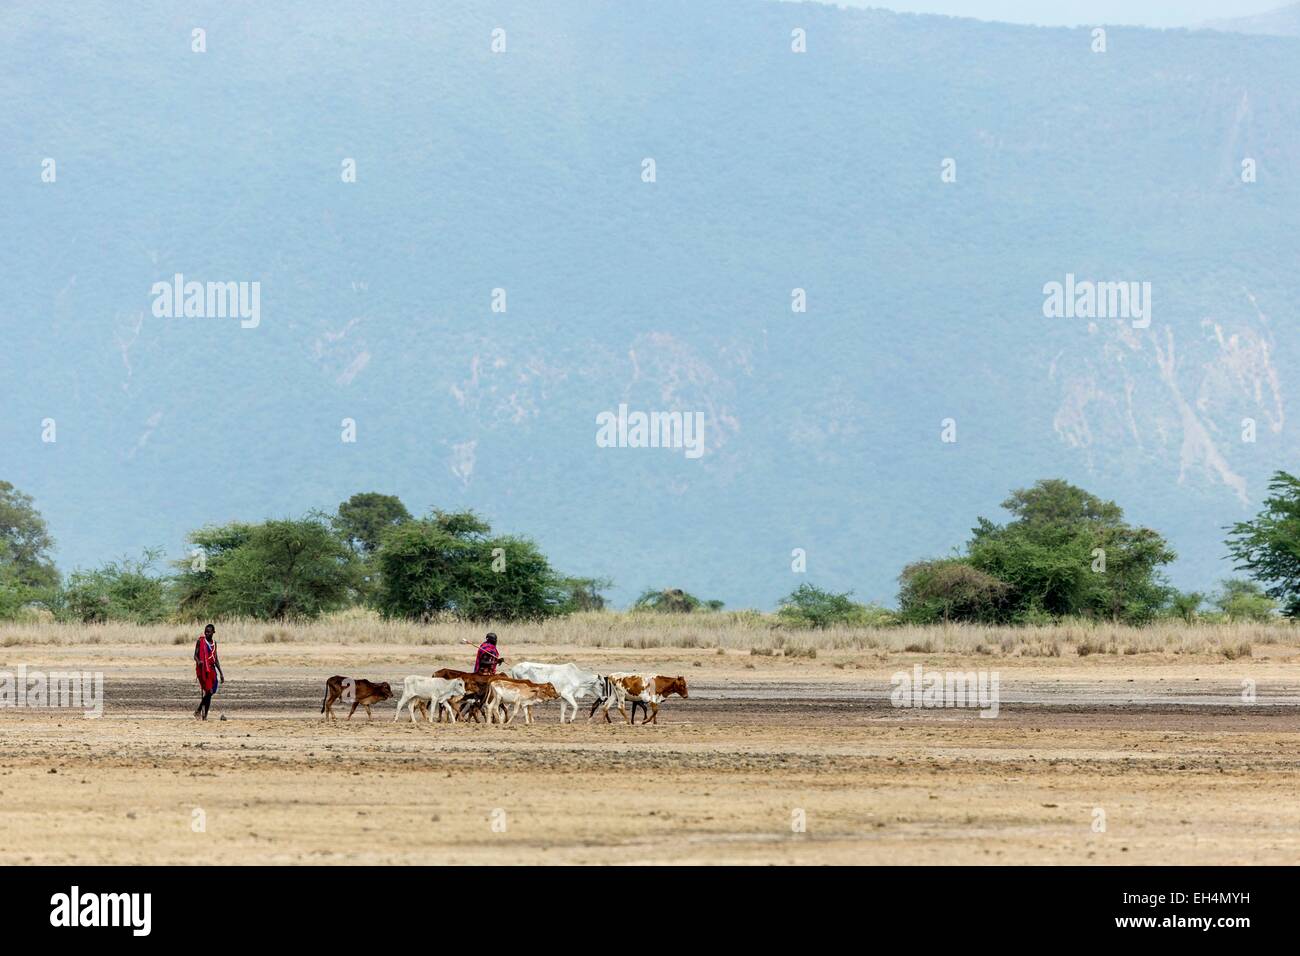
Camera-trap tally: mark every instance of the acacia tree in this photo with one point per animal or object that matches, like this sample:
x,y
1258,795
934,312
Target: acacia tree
x,y
271,571
1065,552
363,519
1268,546
811,606
673,601
1244,601
25,542
124,590
949,589
210,547
450,563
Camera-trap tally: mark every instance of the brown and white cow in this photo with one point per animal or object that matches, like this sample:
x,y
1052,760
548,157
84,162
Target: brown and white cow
x,y
508,692
362,693
646,690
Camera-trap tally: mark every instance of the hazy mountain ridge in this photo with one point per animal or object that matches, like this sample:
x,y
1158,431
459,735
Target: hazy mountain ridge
x,y
775,171
1284,21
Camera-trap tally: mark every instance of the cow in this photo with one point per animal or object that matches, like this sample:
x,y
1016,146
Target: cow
x,y
362,693
569,680
436,690
643,689
507,692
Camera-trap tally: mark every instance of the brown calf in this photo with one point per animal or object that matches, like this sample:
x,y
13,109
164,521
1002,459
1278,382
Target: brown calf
x,y
362,693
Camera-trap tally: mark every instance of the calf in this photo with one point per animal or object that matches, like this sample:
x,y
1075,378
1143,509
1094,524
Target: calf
x,y
436,690
362,693
476,688
508,692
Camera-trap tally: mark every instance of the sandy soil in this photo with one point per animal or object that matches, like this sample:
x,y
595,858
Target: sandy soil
x,y
1160,749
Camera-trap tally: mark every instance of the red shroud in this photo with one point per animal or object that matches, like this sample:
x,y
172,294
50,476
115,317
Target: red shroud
x,y
485,662
205,668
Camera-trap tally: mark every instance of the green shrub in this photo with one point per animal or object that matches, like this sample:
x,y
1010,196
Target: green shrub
x,y
126,590
812,607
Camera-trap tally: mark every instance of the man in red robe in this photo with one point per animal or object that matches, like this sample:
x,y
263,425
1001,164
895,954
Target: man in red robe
x,y
207,668
488,657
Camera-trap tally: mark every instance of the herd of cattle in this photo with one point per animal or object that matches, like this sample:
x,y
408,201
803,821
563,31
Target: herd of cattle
x,y
462,695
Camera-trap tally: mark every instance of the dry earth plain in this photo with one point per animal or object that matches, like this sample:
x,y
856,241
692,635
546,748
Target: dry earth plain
x,y
1140,758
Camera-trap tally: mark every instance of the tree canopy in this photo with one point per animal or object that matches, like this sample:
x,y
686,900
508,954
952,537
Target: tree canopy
x,y
1268,546
363,519
1065,553
450,563
271,571
25,542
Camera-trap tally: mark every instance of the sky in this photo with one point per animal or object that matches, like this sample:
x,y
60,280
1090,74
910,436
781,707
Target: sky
x,y
1152,13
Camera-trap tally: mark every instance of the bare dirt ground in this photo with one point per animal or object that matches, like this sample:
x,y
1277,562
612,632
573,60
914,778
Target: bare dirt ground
x,y
1162,750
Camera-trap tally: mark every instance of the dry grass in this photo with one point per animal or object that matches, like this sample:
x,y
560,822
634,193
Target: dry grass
x,y
731,631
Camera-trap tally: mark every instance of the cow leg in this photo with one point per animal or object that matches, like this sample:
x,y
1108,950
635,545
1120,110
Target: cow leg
x,y
355,705
369,715
653,716
623,712
400,704
596,703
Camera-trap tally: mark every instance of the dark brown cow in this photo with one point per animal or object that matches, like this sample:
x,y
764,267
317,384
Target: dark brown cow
x,y
476,689
362,693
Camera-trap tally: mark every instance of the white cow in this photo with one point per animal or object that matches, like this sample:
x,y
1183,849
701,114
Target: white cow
x,y
569,680
438,691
